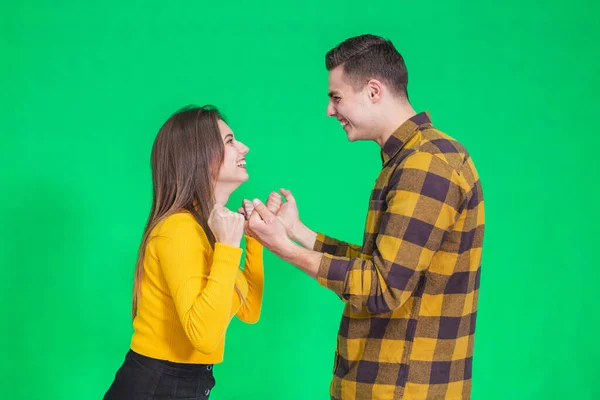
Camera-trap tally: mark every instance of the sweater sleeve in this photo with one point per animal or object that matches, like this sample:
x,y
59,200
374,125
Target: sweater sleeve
x,y
201,286
249,311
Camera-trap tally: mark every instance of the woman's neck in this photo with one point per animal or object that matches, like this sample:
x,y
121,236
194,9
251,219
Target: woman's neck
x,y
222,193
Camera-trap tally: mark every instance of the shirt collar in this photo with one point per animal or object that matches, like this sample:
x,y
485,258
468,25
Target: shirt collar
x,y
403,134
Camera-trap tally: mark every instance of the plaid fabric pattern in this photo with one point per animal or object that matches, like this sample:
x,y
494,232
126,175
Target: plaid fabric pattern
x,y
411,289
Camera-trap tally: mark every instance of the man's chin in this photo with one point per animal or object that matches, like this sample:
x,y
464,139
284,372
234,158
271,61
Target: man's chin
x,y
349,134
352,137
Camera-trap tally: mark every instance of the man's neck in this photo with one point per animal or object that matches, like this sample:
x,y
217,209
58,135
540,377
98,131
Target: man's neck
x,y
394,117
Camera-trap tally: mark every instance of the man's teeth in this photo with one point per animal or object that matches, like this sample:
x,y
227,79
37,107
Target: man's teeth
x,y
344,123
241,164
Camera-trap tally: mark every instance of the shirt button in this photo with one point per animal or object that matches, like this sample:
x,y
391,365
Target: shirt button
x,y
207,392
209,367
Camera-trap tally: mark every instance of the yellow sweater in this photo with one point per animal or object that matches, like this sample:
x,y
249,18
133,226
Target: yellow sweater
x,y
187,292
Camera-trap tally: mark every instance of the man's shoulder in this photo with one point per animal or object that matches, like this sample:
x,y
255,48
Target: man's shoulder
x,y
433,142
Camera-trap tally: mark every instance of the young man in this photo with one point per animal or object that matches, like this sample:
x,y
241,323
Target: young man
x,y
411,289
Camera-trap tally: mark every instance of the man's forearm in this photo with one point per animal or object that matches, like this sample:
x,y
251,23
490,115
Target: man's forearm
x,y
307,260
304,235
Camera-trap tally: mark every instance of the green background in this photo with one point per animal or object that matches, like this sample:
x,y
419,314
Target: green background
x,y
85,87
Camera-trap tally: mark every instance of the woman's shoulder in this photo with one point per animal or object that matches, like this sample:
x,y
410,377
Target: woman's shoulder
x,y
181,223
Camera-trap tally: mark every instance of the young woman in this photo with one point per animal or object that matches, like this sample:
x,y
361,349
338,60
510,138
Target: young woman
x,y
188,284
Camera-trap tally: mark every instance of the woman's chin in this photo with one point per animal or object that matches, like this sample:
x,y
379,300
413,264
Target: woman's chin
x,y
243,178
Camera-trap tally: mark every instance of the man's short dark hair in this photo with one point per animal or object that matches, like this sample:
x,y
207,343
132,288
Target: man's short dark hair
x,y
370,57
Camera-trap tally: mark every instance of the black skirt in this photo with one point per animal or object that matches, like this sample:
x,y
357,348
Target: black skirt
x,y
145,378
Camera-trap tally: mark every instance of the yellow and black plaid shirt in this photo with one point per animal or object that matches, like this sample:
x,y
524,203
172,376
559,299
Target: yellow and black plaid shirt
x,y
411,289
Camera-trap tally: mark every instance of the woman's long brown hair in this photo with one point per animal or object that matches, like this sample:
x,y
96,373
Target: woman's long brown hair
x,y
186,157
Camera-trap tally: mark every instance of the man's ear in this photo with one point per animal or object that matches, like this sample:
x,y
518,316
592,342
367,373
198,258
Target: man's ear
x,y
375,90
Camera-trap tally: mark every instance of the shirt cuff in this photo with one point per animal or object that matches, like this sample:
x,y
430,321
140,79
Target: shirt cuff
x,y
332,273
326,244
227,256
254,255
252,244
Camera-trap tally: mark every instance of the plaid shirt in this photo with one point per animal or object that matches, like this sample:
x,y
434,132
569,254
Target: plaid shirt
x,y
411,289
